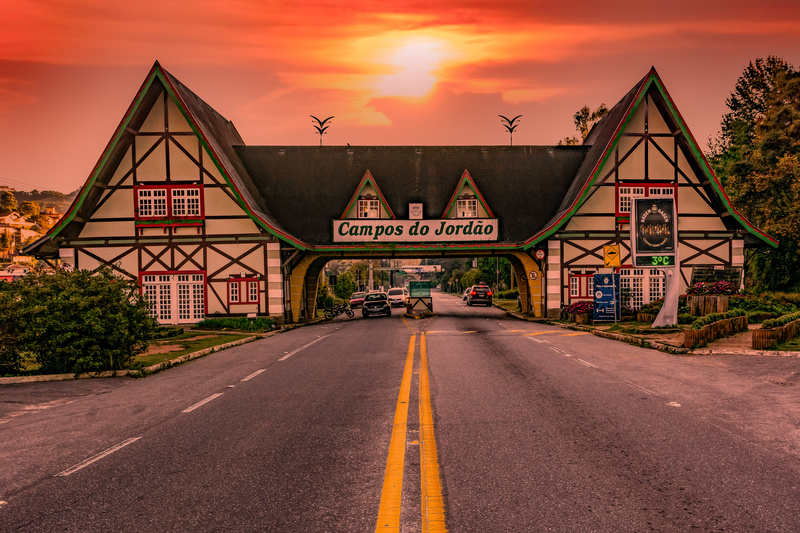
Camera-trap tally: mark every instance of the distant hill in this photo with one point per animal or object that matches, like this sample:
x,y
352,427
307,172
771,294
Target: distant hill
x,y
45,198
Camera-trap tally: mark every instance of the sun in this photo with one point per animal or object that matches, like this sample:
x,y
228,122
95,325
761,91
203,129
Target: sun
x,y
414,65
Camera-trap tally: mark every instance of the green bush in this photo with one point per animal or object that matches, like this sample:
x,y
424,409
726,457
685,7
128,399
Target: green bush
x,y
511,294
165,332
72,321
238,324
716,317
780,321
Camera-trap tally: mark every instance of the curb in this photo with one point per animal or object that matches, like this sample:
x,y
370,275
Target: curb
x,y
146,371
655,345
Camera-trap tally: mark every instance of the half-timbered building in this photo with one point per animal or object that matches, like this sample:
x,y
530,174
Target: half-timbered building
x,y
211,226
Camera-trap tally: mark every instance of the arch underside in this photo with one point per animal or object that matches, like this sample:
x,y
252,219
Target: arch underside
x,y
305,276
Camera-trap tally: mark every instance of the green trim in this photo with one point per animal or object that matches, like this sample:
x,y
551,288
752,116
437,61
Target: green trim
x,y
707,171
368,178
101,164
467,178
652,79
220,167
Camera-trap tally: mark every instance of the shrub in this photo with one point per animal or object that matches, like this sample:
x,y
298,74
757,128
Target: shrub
x,y
507,295
238,324
73,321
780,321
716,317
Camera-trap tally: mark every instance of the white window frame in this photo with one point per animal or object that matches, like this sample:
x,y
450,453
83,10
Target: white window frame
x,y
467,208
369,208
646,285
186,202
175,298
627,192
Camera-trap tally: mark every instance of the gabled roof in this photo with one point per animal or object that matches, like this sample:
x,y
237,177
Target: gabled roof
x,y
603,139
306,187
368,180
216,134
467,180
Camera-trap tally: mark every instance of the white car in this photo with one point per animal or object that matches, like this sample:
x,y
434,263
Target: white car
x,y
397,297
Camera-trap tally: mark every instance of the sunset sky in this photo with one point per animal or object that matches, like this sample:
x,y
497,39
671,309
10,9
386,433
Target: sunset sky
x,y
408,72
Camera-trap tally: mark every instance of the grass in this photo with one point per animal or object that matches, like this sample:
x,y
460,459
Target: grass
x,y
187,343
508,305
792,345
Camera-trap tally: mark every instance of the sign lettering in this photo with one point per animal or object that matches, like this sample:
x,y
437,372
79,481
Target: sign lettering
x,y
385,230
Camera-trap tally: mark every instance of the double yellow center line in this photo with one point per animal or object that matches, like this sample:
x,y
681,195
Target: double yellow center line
x,y
432,504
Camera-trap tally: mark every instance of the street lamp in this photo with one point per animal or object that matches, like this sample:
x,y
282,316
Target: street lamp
x,y
320,126
510,125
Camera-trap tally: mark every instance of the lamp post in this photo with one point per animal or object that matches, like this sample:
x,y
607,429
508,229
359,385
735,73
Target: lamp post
x,y
510,125
320,126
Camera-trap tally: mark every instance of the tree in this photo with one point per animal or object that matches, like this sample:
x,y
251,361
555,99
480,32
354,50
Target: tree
x,y
585,119
345,285
73,321
756,155
8,202
29,210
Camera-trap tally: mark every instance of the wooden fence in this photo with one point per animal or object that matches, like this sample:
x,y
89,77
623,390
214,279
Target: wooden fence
x,y
692,338
764,339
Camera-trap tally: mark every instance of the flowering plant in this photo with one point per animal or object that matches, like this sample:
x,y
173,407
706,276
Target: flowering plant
x,y
712,288
579,308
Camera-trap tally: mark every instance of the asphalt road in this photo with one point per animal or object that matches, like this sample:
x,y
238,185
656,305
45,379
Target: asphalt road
x,y
325,428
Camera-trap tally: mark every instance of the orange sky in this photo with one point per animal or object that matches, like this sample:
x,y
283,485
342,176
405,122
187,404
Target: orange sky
x,y
392,72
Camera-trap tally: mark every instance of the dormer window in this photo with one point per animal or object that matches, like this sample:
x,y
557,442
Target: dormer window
x,y
467,208
368,209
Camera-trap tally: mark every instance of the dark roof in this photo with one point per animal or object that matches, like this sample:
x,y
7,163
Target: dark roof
x,y
307,187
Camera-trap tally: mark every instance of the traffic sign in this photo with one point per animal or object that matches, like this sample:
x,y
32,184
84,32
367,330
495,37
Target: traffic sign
x,y
611,257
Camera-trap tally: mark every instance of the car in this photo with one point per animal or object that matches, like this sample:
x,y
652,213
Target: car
x,y
376,303
397,297
478,294
357,299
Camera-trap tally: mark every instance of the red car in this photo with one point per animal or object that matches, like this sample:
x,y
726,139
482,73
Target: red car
x,y
357,299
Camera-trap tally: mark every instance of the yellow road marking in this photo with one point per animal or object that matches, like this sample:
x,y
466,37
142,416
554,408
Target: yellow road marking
x,y
473,331
391,495
542,332
433,519
575,334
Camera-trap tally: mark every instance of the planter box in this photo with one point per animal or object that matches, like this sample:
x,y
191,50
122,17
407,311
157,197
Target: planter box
x,y
764,339
583,319
692,338
705,305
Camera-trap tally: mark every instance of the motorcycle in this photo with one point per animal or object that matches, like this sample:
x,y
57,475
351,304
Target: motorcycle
x,y
336,310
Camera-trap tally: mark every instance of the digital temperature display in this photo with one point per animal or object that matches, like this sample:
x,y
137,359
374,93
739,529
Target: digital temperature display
x,y
655,260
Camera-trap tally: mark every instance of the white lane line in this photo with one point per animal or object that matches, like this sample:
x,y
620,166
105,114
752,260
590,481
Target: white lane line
x,y
97,457
559,350
254,374
639,388
288,355
201,403
586,363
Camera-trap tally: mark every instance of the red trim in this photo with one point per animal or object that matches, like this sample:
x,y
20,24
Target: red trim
x,y
218,161
169,188
646,186
583,287
368,178
466,178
